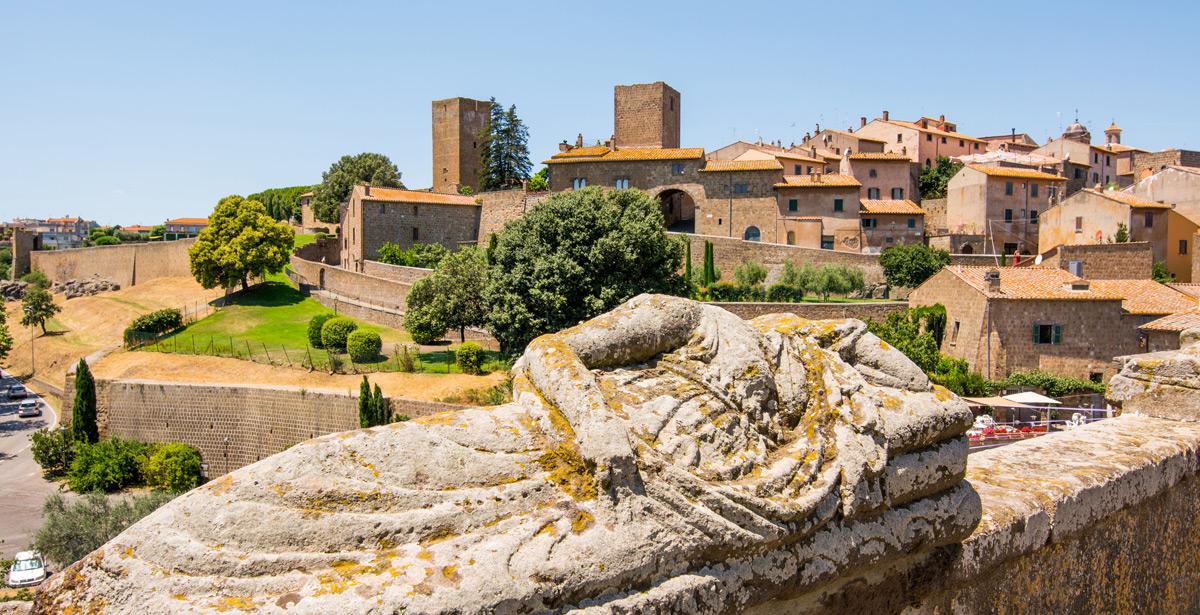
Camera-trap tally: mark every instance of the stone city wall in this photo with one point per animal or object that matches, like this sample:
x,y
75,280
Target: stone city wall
x,y
876,311
127,265
730,252
232,425
395,273
368,289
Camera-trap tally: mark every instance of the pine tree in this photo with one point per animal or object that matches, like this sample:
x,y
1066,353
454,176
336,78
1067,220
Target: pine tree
x,y
491,158
381,407
504,155
365,404
516,149
83,411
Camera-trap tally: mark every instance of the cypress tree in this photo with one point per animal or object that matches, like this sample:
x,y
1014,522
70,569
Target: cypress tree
x,y
83,411
381,407
687,262
365,404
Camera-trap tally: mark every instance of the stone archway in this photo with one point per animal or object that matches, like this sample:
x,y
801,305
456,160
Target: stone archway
x,y
678,209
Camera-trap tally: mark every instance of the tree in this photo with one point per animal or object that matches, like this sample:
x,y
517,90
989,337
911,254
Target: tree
x,y
909,265
71,531
750,274
422,318
366,406
382,412
240,241
339,180
37,307
904,330
933,180
6,340
576,255
281,203
1158,272
504,157
107,240
540,181
455,292
83,411
1122,235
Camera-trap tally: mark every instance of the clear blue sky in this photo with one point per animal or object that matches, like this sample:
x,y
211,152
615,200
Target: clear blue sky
x,y
136,112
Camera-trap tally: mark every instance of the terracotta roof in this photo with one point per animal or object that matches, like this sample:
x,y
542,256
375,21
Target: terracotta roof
x,y
1128,199
304,194
880,156
138,228
936,131
187,221
1030,283
1117,148
63,220
719,166
400,195
1180,321
795,156
603,154
1147,296
851,134
1187,288
1015,172
890,206
829,180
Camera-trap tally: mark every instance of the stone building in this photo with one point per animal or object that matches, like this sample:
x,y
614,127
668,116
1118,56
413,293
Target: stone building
x,y
457,126
1011,319
924,140
1016,142
1093,216
183,228
838,141
646,115
883,175
375,216
1145,164
1163,333
991,209
1177,185
1110,163
890,222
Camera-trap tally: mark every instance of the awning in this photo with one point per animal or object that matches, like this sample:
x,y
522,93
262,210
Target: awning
x,y
1033,399
999,402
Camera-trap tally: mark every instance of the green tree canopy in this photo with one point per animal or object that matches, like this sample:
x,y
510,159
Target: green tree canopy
x,y
540,181
504,157
454,294
933,180
339,180
37,307
281,203
83,410
574,256
909,265
6,340
240,241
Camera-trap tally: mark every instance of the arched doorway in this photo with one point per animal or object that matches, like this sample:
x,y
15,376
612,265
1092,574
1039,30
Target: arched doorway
x,y
678,209
967,249
752,234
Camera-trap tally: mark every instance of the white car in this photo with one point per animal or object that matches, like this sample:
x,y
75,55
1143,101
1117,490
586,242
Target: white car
x,y
27,570
17,391
29,408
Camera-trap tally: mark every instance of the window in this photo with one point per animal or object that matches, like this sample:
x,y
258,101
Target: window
x,y
1183,246
899,138
826,242
912,223
928,162
416,210
976,145
382,208
672,99
799,170
1047,334
1106,182
872,173
416,234
677,168
1008,188
1032,189
1095,158
1010,248
791,238
1078,174
928,137
622,182
578,183
1149,220
1108,161
962,143
1033,216
752,234
897,193
943,139
870,223
890,240
810,169
872,193
1008,215
793,205
954,333
1053,191
1078,224
1075,268
741,188
837,204
1095,177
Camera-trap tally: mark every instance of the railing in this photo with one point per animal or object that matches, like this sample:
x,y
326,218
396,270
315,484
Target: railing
x,y
999,433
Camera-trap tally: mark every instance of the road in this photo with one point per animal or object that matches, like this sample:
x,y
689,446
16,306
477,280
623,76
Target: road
x,y
22,488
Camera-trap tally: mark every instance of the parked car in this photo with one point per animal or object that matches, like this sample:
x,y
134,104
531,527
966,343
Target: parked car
x,y
27,570
29,408
17,391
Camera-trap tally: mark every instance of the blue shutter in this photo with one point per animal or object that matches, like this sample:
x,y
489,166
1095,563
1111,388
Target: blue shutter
x,y
1036,337
1057,334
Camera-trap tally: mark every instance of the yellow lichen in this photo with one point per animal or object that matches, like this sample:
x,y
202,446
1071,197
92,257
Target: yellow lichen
x,y
241,603
583,520
450,572
221,485
570,471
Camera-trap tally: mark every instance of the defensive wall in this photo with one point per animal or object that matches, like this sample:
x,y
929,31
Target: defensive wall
x,y
127,264
875,310
729,252
231,425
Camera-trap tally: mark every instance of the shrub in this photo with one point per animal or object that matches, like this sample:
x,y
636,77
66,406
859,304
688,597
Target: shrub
x,y
175,466
363,346
53,450
426,324
335,331
314,329
153,324
750,275
36,278
107,240
406,361
782,293
1053,385
108,465
488,396
469,358
726,291
71,531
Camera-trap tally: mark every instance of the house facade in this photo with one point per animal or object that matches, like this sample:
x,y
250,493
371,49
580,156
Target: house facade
x,y
183,228
375,216
924,140
996,209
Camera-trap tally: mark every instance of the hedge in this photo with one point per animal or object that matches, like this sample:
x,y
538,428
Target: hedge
x,y
108,465
335,331
175,466
469,358
314,329
363,346
153,324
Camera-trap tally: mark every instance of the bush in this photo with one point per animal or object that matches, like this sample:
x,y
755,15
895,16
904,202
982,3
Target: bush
x,y
426,255
109,465
53,450
335,331
726,291
107,240
36,278
909,265
363,346
71,531
469,358
314,329
175,466
750,275
406,360
153,324
782,293
1053,385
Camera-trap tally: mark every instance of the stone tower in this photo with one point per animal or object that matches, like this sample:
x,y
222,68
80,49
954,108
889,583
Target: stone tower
x,y
1112,134
457,123
646,115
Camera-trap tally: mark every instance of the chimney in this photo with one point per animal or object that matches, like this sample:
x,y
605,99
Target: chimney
x,y
818,127
1014,135
579,140
942,118
862,121
367,190
992,277
885,115
562,147
817,177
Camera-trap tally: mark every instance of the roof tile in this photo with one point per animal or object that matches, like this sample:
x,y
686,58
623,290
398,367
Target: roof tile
x,y
890,206
830,180
717,166
1015,173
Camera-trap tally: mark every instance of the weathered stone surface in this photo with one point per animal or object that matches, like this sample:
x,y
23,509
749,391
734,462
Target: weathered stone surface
x,y
666,456
12,290
84,288
1161,384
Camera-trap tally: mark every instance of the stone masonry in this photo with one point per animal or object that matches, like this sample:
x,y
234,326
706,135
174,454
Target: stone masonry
x,y
646,115
457,125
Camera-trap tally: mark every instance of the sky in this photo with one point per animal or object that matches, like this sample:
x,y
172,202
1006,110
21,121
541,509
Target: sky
x,y
133,113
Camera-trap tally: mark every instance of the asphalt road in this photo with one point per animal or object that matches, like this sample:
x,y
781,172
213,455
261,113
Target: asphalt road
x,y
22,488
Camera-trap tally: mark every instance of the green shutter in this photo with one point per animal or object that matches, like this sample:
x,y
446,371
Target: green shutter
x,y
793,205
1057,334
1036,338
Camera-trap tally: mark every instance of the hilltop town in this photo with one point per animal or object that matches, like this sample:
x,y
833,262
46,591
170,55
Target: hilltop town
x,y
625,375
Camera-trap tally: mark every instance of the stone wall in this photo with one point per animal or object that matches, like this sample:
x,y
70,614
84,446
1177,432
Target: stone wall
x,y
326,251
730,252
232,425
1109,261
127,265
877,311
935,215
1148,163
395,273
503,206
375,290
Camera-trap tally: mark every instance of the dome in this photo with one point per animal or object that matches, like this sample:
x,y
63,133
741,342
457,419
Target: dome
x,y
1077,132
1113,128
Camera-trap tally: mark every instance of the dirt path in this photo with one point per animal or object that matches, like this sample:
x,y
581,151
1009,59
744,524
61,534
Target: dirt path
x,y
202,369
